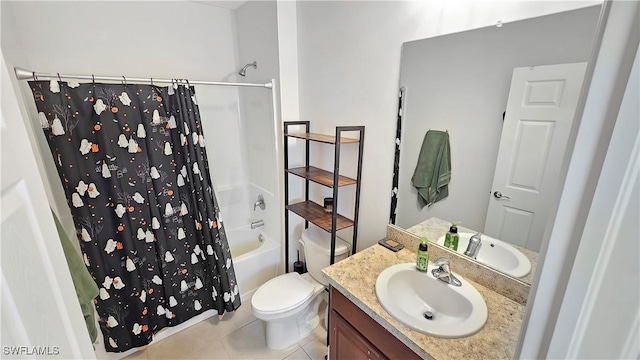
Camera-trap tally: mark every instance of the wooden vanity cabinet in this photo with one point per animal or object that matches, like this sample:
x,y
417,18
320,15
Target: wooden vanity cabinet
x,y
355,335
349,343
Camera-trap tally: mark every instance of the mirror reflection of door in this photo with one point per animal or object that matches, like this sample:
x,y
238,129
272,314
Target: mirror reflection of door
x,y
460,82
540,110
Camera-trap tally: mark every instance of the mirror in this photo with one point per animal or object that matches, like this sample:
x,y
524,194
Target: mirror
x,y
461,83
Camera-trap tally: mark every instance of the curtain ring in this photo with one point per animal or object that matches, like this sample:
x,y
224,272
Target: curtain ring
x,y
93,79
59,78
151,81
34,76
124,81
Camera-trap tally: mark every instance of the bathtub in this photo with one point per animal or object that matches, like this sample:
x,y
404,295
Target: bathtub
x,y
254,261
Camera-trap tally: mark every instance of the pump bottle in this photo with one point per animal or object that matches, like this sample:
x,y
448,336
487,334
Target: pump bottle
x,y
451,238
422,257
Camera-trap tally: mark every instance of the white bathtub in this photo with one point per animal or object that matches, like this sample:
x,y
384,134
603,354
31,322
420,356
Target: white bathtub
x,y
254,262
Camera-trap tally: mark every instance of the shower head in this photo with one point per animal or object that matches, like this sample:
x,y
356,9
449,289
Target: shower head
x,y
243,71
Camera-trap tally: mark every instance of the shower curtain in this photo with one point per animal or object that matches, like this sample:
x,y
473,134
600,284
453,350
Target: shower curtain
x,y
134,168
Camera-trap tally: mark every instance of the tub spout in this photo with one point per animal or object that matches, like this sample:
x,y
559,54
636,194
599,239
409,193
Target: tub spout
x,y
257,224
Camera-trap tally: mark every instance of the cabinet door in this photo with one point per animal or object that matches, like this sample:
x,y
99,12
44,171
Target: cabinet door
x,y
347,343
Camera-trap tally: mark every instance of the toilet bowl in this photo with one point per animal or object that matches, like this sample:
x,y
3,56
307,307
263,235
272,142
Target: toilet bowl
x,y
289,303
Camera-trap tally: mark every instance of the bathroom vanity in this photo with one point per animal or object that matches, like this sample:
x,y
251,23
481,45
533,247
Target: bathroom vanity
x,y
360,327
355,335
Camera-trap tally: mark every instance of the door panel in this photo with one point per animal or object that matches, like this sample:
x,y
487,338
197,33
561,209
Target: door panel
x,y
531,150
540,110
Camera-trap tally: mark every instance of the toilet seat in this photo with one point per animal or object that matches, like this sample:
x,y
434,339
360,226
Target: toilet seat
x,y
281,294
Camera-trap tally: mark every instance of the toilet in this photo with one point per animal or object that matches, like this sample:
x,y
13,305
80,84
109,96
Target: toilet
x,y
289,303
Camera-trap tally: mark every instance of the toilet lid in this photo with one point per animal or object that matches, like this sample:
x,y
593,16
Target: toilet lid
x,y
281,293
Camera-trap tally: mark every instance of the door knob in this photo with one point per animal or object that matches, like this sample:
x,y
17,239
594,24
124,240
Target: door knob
x,y
498,195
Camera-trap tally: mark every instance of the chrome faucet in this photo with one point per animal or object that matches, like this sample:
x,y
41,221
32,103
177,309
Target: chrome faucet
x,y
257,224
260,203
475,242
443,272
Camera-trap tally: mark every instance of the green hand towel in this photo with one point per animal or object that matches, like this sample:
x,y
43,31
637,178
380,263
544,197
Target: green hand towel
x,y
86,288
433,170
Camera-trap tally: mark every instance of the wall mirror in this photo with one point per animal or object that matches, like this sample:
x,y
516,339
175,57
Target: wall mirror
x,y
506,95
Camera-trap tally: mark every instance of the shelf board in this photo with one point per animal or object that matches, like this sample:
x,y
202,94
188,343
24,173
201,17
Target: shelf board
x,y
327,139
320,176
313,212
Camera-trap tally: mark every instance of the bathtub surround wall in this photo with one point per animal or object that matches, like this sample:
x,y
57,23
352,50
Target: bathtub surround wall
x,y
255,262
257,39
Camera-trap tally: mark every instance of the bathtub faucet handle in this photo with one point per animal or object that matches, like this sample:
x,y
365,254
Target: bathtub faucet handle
x,y
260,203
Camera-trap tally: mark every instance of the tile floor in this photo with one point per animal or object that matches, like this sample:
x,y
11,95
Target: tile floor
x,y
237,336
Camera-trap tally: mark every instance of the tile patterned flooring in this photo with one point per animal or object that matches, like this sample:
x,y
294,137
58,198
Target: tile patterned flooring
x,y
239,335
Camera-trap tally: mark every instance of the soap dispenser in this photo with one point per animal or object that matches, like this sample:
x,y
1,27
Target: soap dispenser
x,y
422,258
452,237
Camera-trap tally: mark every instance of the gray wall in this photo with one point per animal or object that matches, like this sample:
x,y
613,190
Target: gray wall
x,y
460,83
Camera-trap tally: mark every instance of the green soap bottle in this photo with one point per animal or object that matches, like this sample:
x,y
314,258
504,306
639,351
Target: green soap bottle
x,y
452,237
422,258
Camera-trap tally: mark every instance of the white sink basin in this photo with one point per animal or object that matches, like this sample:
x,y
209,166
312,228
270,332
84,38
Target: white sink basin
x,y
406,294
496,254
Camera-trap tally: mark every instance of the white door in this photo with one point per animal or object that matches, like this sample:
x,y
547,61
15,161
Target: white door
x,y
540,110
41,316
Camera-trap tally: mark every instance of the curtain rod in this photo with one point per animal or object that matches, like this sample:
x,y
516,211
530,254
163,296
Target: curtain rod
x,y
23,74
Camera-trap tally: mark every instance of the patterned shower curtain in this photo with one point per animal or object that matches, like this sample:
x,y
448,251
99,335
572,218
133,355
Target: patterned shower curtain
x,y
134,168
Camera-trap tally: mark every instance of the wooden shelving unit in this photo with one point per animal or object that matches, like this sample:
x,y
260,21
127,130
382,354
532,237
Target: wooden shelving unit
x,y
309,210
315,214
320,176
327,139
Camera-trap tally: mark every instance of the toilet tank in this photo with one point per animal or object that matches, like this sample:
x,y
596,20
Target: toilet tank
x,y
317,251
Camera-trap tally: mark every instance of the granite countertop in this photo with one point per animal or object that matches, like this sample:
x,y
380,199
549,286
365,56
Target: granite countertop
x,y
355,277
434,228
